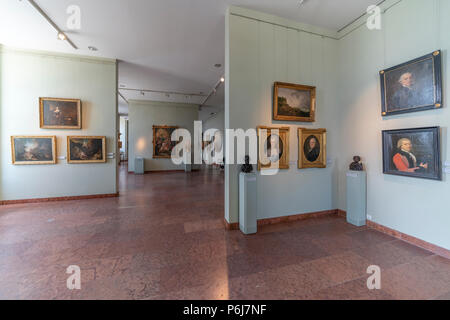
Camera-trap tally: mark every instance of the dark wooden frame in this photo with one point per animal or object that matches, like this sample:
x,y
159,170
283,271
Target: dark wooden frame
x,y
437,70
292,86
154,140
436,147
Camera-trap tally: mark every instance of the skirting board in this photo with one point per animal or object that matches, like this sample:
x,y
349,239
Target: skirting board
x,y
405,237
296,217
39,200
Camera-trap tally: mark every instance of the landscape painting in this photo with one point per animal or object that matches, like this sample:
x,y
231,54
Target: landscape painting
x,y
162,143
86,149
412,86
412,152
293,102
33,149
58,113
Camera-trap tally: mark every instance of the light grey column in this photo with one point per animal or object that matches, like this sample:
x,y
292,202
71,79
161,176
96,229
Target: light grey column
x,y
356,197
247,203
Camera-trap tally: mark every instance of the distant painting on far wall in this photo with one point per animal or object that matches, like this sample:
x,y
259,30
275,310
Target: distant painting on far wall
x,y
412,152
162,143
293,102
58,113
33,149
86,149
412,86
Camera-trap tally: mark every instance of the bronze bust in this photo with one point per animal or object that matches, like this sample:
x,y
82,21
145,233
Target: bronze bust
x,y
247,167
356,165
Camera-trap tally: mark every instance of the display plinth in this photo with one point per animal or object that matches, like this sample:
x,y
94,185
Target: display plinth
x,y
247,203
356,197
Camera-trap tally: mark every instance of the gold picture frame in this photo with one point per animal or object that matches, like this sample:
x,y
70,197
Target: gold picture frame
x,y
312,148
80,150
303,96
22,152
157,143
67,114
282,146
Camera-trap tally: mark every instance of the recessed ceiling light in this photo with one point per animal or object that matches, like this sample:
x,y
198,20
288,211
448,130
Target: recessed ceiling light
x,y
61,36
217,65
222,79
92,48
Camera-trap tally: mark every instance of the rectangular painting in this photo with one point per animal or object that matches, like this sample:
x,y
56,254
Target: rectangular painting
x,y
412,86
273,145
86,149
412,152
33,149
294,102
162,143
58,113
312,148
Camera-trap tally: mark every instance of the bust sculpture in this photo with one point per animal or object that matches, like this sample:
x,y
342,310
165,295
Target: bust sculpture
x,y
356,165
247,167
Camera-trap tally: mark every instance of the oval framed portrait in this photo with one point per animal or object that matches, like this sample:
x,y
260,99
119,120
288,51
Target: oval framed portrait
x,y
312,145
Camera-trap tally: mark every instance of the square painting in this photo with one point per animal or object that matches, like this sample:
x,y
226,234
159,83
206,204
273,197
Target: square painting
x,y
293,102
86,149
273,145
412,152
33,149
412,86
312,148
58,113
162,143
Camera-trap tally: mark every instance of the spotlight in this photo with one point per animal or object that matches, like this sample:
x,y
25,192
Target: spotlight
x,y
61,36
222,79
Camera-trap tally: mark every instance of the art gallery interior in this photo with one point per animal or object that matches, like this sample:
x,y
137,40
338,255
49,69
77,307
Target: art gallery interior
x,y
92,91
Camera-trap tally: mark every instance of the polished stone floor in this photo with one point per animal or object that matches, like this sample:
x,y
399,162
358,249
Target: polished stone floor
x,y
163,238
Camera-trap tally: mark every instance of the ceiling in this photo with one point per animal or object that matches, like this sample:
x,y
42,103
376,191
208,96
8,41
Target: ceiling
x,y
167,45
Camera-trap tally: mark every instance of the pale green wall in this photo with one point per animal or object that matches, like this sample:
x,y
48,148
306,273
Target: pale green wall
x,y
24,77
257,55
142,116
411,29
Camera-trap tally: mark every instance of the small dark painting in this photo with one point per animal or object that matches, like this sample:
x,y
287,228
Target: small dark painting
x,y
311,148
162,141
33,149
412,152
58,113
413,86
86,149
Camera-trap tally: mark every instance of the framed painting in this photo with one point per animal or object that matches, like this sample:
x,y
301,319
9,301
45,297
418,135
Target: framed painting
x,y
56,113
312,148
86,149
273,145
412,152
294,102
412,86
162,142
33,150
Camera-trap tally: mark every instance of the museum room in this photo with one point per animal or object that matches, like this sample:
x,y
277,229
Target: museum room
x,y
243,150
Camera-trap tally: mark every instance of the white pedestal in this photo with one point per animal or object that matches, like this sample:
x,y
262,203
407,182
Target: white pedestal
x,y
356,197
247,203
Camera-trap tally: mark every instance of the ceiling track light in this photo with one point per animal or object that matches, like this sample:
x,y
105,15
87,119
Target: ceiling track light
x,y
61,35
214,90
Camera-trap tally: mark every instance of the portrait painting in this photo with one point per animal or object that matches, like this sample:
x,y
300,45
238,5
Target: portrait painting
x,y
312,148
294,102
273,143
33,150
58,113
86,149
162,143
412,86
412,152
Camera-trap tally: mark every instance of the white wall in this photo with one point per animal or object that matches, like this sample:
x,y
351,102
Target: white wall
x,y
258,54
24,77
142,116
411,28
